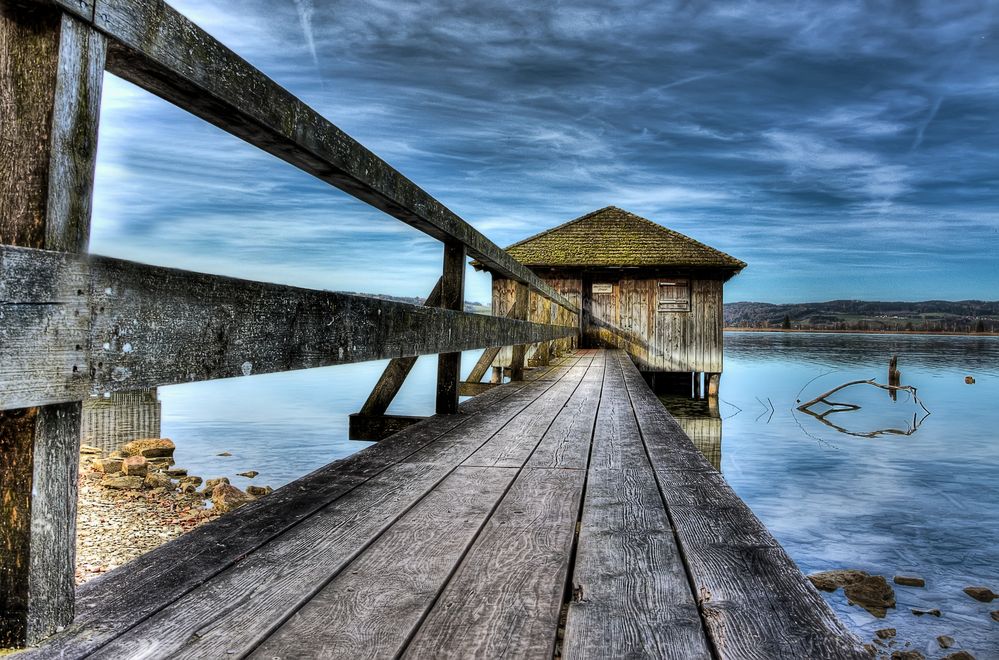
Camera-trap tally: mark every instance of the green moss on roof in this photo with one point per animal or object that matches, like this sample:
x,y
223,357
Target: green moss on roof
x,y
612,237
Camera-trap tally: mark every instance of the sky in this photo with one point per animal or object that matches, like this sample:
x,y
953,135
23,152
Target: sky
x,y
842,149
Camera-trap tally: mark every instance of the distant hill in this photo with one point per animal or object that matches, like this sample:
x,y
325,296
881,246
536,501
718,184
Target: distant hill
x,y
929,315
470,306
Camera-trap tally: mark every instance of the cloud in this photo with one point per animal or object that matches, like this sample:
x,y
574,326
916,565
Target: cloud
x,y
803,138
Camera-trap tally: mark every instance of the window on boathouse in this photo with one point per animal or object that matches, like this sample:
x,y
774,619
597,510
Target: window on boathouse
x,y
674,296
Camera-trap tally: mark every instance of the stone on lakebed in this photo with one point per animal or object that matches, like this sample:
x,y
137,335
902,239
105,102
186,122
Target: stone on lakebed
x,y
226,497
833,580
958,655
107,465
135,466
909,581
945,641
981,594
873,593
122,483
158,480
258,491
149,447
249,474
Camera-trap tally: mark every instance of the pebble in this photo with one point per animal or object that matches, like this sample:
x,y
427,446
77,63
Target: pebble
x,y
248,474
959,655
885,633
945,641
116,526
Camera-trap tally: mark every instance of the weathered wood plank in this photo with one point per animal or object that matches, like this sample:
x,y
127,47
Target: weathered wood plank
x,y
370,608
157,48
566,443
51,73
235,611
122,599
505,598
452,297
516,442
482,364
151,326
396,372
474,389
754,601
378,427
632,597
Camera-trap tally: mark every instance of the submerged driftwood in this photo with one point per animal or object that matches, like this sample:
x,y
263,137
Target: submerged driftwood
x,y
838,406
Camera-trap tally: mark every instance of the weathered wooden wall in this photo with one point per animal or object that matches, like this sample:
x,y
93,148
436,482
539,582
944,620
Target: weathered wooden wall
x,y
540,310
628,318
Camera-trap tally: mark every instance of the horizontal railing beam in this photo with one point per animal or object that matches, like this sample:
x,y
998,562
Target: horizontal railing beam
x,y
75,326
157,48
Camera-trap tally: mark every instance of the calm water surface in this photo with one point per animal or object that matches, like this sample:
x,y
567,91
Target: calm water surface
x,y
926,503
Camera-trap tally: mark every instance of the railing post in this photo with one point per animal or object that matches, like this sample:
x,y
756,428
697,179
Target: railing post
x,y
51,71
452,297
520,307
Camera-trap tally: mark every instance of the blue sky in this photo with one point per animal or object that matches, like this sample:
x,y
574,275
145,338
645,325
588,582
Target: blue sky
x,y
842,149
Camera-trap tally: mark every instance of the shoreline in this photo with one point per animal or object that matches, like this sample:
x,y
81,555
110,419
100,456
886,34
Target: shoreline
x,y
816,331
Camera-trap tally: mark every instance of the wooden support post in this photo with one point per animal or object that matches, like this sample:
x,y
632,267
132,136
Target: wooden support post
x,y
480,368
452,297
497,376
714,382
697,385
520,304
395,373
51,72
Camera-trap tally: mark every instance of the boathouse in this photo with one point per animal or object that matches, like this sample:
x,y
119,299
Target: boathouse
x,y
641,287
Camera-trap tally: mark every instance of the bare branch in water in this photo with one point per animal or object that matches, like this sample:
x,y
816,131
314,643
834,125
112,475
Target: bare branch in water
x,y
836,406
823,398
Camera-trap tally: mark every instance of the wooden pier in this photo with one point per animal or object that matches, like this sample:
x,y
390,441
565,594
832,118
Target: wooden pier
x,y
562,514
567,514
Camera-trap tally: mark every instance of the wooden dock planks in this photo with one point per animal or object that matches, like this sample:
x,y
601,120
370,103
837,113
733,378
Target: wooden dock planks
x,y
631,596
470,535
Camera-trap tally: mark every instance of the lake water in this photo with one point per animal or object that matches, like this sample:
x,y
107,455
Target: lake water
x,y
923,502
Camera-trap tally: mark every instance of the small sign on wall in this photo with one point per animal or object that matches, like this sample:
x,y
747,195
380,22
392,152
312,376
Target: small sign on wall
x,y
603,287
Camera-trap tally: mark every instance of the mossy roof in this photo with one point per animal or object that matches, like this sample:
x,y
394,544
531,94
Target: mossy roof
x,y
613,237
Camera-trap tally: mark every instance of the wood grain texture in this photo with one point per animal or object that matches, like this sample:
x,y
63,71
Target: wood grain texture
x,y
370,608
632,597
51,74
516,442
157,48
566,443
234,611
452,297
753,599
151,326
119,600
474,389
378,427
505,598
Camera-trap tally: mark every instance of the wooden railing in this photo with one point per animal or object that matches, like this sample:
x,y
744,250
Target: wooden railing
x,y
74,326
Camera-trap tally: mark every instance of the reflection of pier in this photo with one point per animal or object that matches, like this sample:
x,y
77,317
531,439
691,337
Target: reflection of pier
x,y
110,422
706,434
700,420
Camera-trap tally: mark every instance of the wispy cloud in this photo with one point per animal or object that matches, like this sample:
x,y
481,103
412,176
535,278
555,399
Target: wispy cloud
x,y
805,138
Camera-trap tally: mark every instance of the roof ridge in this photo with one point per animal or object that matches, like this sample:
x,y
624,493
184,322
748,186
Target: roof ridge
x,y
557,227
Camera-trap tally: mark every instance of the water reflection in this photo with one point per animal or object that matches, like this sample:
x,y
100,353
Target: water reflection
x,y
701,421
823,407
